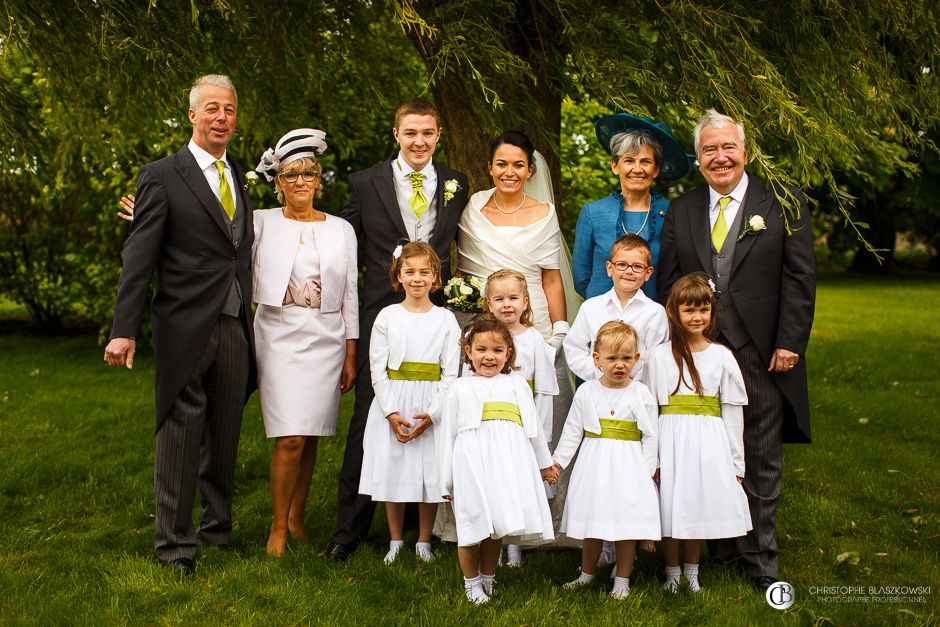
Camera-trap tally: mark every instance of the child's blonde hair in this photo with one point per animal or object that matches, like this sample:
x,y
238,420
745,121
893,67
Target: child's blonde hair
x,y
616,333
692,289
487,323
411,250
526,318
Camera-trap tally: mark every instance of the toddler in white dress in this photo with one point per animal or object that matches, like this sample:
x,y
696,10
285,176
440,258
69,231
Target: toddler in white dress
x,y
612,493
493,457
507,298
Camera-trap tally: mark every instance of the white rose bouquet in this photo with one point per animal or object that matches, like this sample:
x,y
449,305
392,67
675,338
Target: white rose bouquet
x,y
755,224
465,293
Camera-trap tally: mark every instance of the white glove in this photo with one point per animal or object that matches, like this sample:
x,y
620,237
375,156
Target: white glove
x,y
560,329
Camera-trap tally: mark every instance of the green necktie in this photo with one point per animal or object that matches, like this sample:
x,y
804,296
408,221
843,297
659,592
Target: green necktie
x,y
720,230
418,202
225,192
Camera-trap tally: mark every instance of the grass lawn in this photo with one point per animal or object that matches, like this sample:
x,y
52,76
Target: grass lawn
x,y
860,505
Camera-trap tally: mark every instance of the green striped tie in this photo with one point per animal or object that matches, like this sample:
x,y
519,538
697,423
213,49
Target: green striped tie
x,y
225,192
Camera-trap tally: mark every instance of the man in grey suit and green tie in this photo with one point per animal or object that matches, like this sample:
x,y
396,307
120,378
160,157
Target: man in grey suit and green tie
x,y
192,226
735,230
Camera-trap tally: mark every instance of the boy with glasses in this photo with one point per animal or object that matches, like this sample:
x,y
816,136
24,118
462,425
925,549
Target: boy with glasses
x,y
629,266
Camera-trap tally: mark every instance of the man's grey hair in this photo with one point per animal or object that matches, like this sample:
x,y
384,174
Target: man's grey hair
x,y
629,143
714,119
213,80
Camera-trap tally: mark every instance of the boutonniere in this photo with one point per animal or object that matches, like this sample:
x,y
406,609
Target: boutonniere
x,y
251,179
451,187
755,224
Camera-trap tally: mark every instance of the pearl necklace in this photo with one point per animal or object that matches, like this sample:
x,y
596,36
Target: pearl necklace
x,y
508,213
649,210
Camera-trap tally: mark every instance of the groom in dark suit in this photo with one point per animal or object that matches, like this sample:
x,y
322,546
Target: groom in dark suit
x,y
192,224
735,231
409,197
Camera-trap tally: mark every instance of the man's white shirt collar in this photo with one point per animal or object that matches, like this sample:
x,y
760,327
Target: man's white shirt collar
x,y
405,169
203,158
737,194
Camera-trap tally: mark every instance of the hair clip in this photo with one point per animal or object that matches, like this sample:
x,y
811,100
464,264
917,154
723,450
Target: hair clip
x,y
711,284
397,252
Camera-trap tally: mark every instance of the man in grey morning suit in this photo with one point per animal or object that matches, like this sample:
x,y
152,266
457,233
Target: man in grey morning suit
x,y
766,288
192,224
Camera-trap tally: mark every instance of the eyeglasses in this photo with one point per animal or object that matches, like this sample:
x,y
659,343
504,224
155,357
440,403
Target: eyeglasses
x,y
291,177
623,266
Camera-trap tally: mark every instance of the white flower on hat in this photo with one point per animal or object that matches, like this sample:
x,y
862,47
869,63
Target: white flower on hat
x,y
397,252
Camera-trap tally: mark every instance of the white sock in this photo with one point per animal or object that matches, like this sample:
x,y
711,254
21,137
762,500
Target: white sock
x,y
423,551
672,578
621,588
394,546
583,579
691,575
513,555
474,590
488,582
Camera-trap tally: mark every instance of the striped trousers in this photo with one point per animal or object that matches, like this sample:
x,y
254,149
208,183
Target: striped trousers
x,y
763,467
197,444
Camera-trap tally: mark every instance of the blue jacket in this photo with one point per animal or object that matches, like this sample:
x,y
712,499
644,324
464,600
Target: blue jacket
x,y
598,227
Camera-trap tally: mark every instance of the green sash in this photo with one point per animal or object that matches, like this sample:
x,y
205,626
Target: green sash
x,y
502,411
531,383
415,371
692,404
617,430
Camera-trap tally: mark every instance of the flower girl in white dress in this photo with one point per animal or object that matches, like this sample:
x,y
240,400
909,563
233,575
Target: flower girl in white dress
x,y
413,356
701,395
493,457
507,298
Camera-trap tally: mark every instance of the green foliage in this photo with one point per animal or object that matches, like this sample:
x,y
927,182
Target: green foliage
x,y
841,98
76,504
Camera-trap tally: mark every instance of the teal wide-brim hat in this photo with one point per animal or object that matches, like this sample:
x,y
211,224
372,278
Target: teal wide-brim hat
x,y
675,162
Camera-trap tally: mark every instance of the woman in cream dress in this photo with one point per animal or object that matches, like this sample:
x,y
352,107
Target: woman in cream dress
x,y
306,326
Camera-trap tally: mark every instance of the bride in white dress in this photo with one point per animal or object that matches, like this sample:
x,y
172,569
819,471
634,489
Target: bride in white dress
x,y
504,227
514,225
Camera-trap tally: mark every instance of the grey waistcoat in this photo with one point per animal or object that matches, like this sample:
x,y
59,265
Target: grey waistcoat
x,y
729,321
233,300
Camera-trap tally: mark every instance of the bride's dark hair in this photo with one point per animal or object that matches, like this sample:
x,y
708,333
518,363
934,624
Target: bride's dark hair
x,y
517,139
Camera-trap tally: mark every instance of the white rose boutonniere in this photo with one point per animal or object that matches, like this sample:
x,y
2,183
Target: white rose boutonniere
x,y
755,224
251,179
451,187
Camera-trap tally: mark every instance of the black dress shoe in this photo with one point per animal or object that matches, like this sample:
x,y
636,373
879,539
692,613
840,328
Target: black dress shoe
x,y
338,552
182,565
762,582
